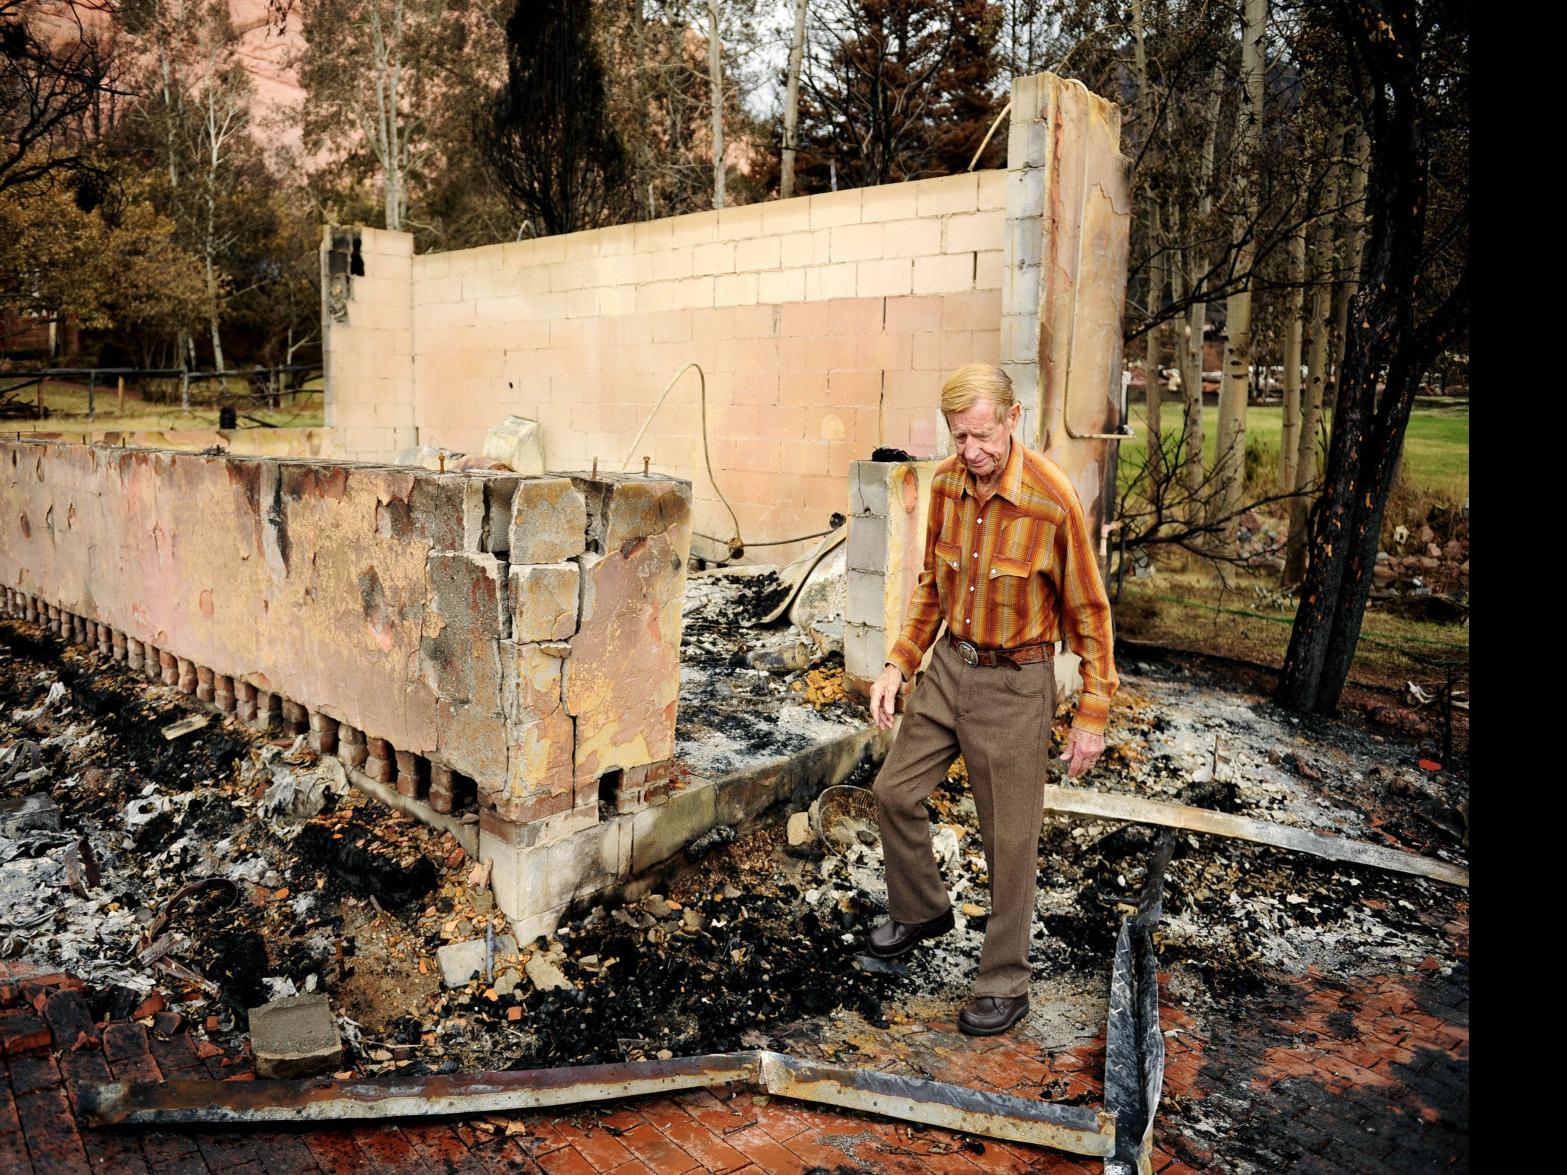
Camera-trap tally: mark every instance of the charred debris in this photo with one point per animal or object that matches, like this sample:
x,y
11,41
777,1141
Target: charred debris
x,y
191,877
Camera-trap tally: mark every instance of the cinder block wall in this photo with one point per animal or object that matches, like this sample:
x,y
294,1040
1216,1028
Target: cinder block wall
x,y
367,340
825,326
448,633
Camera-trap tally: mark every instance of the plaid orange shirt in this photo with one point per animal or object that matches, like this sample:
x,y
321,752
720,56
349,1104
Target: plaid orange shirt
x,y
1020,570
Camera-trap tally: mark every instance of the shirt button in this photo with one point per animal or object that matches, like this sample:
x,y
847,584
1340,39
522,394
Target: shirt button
x,y
970,620
976,554
982,522
971,589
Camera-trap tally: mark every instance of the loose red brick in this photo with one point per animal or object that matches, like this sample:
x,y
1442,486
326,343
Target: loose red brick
x,y
68,1017
23,1032
150,1006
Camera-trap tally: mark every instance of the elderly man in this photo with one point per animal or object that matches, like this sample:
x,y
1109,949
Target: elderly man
x,y
1010,569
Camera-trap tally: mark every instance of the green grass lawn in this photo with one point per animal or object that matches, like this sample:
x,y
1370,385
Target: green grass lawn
x,y
1436,446
1186,604
67,409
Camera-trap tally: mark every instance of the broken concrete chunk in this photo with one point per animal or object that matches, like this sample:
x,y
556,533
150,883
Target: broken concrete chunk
x,y
499,495
475,530
295,1037
799,828
549,522
34,813
544,601
545,976
185,726
461,962
518,442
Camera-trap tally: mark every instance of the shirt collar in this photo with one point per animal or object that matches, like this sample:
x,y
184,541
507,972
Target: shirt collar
x,y
1011,485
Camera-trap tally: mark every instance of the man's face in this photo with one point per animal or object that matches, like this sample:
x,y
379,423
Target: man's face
x,y
982,438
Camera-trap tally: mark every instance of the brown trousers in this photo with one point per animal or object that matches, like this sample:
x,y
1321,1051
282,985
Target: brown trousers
x,y
999,719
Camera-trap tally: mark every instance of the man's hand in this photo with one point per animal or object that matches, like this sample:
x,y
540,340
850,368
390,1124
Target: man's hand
x,y
884,695
1083,749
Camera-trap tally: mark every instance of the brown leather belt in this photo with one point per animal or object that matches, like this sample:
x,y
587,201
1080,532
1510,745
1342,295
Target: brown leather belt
x,y
971,654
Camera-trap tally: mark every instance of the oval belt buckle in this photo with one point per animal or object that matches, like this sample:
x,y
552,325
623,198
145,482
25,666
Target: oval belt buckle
x,y
968,653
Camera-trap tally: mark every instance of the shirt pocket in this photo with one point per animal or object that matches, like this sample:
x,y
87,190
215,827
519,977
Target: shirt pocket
x,y
949,560
1009,582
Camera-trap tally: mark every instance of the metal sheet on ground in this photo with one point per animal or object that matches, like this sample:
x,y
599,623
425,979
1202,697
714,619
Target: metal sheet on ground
x,y
1105,806
1076,1129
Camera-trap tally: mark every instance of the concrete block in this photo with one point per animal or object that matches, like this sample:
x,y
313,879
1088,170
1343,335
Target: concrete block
x,y
468,593
549,521
435,509
543,598
867,598
631,599
864,649
641,507
295,1037
659,832
867,543
519,442
533,883
868,487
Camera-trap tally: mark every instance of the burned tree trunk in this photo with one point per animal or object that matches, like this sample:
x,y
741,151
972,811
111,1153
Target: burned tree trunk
x,y
1397,326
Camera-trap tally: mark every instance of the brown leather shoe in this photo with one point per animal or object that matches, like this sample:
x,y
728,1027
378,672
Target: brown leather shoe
x,y
891,939
988,1015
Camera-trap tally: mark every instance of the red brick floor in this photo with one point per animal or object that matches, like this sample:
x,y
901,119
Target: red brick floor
x,y
1337,1076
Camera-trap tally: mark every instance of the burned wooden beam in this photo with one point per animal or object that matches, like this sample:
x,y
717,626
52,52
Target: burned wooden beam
x,y
1077,1129
1073,801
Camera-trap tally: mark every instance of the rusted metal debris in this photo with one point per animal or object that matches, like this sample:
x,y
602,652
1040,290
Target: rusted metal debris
x,y
1077,1129
1134,1043
1107,806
